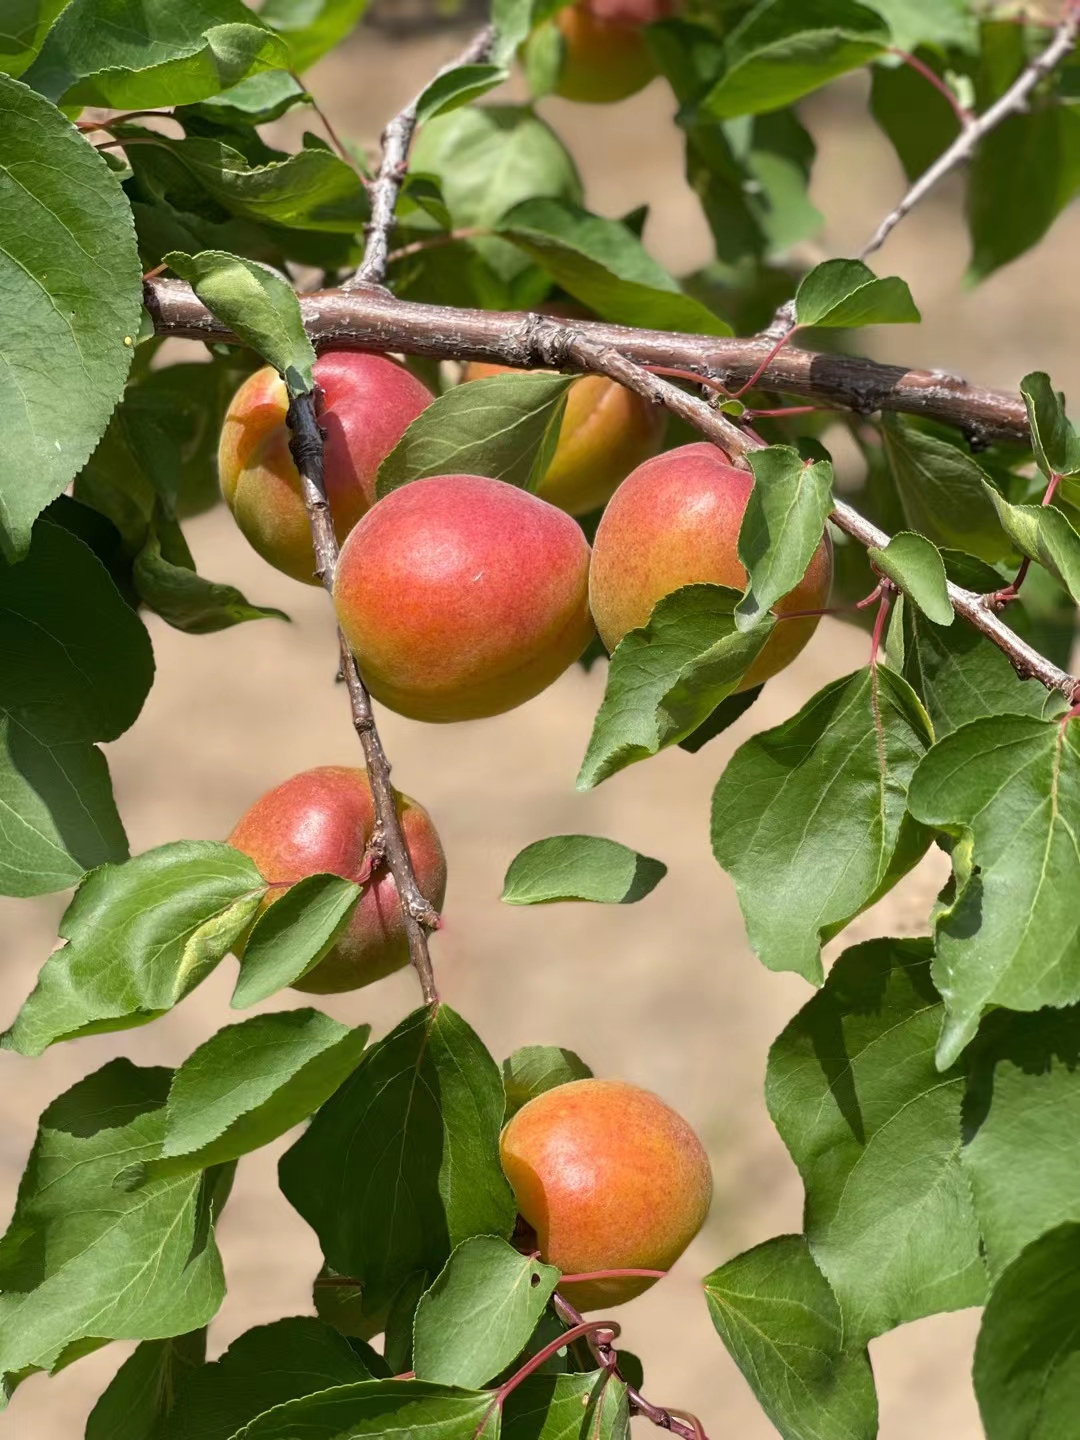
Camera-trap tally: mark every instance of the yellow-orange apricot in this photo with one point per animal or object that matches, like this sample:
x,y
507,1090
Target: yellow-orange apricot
x,y
610,1178
462,596
320,822
675,521
368,404
605,55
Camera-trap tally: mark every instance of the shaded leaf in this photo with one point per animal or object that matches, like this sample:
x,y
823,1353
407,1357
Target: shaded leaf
x,y
779,1319
667,677
264,1367
534,1069
1054,440
250,1083
312,27
603,264
412,1140
141,1395
809,818
24,31
130,54
187,601
915,116
580,867
781,527
785,48
1043,534
1027,1357
587,1406
875,1131
70,275
1007,789
914,564
292,935
479,1312
381,1407
85,1261
505,426
260,306
942,491
841,293
141,935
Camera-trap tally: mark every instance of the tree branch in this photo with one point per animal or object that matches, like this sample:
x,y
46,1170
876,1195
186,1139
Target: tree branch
x,y
386,187
963,147
374,320
388,840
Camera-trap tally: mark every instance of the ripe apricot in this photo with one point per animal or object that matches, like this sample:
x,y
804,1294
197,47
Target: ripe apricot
x,y
462,596
320,822
675,521
368,404
610,1178
605,55
606,431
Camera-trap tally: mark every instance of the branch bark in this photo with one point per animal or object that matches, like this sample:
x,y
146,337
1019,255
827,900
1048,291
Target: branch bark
x,y
388,840
384,191
963,147
372,319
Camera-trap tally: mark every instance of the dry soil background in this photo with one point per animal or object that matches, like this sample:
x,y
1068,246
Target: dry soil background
x,y
665,993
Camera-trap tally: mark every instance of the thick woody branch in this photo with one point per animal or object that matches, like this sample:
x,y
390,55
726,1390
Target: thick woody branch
x,y
388,841
964,146
384,191
373,319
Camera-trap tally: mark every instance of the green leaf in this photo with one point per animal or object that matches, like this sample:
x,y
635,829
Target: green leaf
x,y
292,935
591,1405
58,817
457,87
24,30
142,1393
875,1131
809,818
603,264
505,426
1054,440
131,54
188,602
412,1139
264,1367
915,116
77,660
1007,789
785,48
513,20
1043,534
960,675
258,305
781,527
779,1319
928,22
312,27
580,867
914,564
82,1260
942,491
667,677
141,935
479,1312
844,293
535,1069
385,1408
1023,1161
250,1083
1027,1357
257,100
69,270
1023,175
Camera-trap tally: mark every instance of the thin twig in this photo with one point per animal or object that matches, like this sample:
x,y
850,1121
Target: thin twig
x,y
386,187
433,242
607,1357
335,139
418,915
963,147
372,319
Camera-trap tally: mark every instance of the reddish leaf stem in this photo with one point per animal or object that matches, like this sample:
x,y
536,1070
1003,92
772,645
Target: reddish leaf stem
x,y
335,139
998,599
886,592
921,68
766,362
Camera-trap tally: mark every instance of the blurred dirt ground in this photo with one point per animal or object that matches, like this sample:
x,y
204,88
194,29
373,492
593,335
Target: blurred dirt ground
x,y
665,993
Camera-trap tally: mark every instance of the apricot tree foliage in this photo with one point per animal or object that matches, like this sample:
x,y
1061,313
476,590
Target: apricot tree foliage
x,y
927,1092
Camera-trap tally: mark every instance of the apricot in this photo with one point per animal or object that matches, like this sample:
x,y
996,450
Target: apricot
x,y
368,404
675,521
606,431
462,596
610,1178
605,55
320,822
